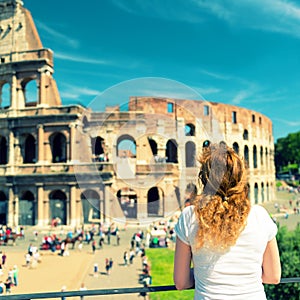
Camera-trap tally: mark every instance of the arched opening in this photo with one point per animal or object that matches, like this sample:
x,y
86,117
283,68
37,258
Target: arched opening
x,y
128,201
97,146
31,93
246,156
27,209
262,193
155,202
261,156
3,151
85,122
171,151
5,96
256,193
58,206
236,148
153,146
245,135
268,191
58,144
3,208
266,158
190,154
126,146
254,157
189,129
29,150
90,201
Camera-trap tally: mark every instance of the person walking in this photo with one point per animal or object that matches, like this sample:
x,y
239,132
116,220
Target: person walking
x,y
131,256
111,262
94,246
231,243
107,266
125,257
95,270
82,288
15,275
4,258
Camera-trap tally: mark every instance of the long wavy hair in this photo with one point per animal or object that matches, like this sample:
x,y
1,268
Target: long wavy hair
x,y
223,206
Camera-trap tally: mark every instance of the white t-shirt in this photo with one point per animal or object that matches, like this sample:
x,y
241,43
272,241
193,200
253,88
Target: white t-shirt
x,y
235,274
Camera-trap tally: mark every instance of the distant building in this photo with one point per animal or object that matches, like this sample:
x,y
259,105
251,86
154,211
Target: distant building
x,y
56,161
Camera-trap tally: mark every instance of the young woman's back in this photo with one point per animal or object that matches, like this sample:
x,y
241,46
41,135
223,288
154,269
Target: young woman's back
x,y
237,272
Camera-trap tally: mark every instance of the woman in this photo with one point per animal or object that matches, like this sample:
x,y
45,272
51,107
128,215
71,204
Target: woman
x,y
232,245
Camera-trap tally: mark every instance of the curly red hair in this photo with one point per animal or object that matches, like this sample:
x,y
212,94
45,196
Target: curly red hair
x,y
223,207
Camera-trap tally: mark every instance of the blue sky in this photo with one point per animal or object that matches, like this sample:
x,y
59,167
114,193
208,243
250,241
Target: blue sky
x,y
245,53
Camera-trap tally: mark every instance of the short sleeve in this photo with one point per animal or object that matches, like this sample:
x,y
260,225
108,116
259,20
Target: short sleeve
x,y
268,224
183,225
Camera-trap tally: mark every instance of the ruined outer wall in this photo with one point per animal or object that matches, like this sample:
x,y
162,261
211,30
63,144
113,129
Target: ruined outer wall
x,y
245,129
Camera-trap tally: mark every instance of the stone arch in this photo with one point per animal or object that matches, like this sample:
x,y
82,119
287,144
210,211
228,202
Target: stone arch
x,y
5,95
236,148
27,209
3,208
245,135
126,146
29,149
3,150
58,206
262,192
90,203
58,144
189,129
190,154
155,202
261,155
266,158
98,145
153,146
255,192
127,198
30,92
268,191
171,151
246,156
254,157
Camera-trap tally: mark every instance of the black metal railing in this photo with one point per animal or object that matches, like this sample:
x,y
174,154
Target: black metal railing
x,y
115,291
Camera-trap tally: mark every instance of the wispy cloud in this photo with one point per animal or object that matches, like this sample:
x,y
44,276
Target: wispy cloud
x,y
75,92
168,9
215,75
80,59
267,15
288,122
281,16
57,35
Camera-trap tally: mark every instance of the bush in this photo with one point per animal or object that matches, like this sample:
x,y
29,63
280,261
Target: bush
x,y
289,249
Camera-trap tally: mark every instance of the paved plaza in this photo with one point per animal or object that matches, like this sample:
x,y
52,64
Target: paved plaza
x,y
71,271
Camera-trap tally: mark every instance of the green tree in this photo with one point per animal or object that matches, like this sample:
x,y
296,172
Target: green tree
x,y
287,151
289,249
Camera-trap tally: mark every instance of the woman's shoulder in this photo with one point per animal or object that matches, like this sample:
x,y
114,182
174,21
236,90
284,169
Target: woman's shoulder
x,y
259,211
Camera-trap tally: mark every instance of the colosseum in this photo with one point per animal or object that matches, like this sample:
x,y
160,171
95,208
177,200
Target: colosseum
x,y
83,166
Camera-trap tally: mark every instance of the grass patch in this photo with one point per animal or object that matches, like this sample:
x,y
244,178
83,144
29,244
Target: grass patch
x,y
162,261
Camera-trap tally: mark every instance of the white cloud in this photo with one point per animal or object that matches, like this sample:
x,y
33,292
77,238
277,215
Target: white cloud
x,y
80,59
281,16
57,35
266,15
288,122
